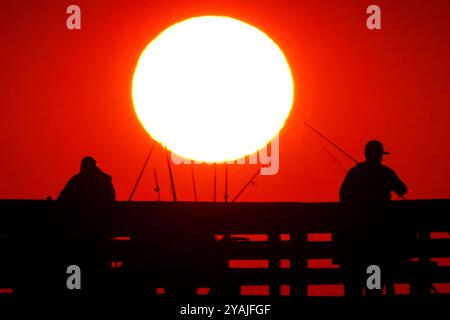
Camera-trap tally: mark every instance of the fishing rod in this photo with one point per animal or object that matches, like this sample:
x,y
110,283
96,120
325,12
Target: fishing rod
x,y
141,173
193,181
335,160
331,142
338,148
172,182
156,184
215,182
246,185
226,183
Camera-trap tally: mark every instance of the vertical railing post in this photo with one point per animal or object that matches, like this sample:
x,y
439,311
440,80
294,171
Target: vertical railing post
x,y
299,265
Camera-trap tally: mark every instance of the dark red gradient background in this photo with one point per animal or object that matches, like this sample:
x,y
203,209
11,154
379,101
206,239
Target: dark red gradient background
x,y
65,94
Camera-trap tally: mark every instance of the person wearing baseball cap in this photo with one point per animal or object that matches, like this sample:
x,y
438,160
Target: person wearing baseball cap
x,y
370,182
368,229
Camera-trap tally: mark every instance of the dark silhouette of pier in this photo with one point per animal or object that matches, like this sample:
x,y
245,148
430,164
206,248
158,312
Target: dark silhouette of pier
x,y
136,251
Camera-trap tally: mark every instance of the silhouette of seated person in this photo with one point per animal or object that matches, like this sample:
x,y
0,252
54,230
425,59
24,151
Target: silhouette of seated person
x,y
86,200
85,218
367,233
91,186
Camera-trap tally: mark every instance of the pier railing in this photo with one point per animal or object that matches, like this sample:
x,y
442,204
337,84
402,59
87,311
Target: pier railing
x,y
280,251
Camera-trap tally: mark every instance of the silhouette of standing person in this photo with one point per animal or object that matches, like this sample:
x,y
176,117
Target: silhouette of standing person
x,y
371,182
368,231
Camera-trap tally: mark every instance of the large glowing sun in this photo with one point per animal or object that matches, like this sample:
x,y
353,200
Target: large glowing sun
x,y
212,89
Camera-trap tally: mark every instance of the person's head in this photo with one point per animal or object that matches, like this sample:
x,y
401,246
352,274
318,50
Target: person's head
x,y
88,164
374,151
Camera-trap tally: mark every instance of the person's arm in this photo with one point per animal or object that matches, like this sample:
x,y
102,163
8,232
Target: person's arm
x,y
397,185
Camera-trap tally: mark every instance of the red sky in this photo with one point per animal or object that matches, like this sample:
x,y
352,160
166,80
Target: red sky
x,y
65,94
